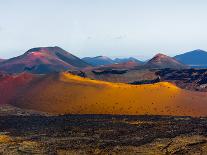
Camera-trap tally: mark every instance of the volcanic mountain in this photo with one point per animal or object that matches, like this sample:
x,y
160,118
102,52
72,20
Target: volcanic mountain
x,y
98,61
163,61
43,60
196,58
64,93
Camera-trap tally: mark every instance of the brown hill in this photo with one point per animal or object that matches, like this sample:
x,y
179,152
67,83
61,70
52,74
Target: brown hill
x,y
163,61
66,93
43,60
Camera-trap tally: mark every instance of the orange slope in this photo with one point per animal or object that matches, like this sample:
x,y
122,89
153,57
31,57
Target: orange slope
x,y
65,93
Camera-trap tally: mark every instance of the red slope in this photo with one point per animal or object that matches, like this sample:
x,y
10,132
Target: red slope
x,y
10,84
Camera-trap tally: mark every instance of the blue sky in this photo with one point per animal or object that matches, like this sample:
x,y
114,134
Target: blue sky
x,y
115,28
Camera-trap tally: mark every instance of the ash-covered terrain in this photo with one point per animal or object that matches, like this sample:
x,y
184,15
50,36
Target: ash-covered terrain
x,y
103,134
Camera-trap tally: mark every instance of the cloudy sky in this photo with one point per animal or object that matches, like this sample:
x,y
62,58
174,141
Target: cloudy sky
x,y
115,28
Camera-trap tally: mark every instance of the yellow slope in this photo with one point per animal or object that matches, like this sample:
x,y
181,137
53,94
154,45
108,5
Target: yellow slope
x,y
65,93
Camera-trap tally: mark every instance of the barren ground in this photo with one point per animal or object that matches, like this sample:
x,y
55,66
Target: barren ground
x,y
102,134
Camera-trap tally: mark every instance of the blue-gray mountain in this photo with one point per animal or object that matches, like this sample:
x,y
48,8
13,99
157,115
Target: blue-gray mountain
x,y
195,59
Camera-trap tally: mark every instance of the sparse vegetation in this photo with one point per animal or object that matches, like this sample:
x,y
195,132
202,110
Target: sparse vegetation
x,y
102,134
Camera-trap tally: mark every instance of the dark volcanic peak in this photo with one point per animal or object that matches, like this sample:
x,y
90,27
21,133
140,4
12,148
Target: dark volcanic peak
x,y
196,58
164,61
43,60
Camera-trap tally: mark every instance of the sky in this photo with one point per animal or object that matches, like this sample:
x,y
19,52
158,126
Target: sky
x,y
114,28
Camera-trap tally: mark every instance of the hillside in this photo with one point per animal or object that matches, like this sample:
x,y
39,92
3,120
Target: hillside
x,y
11,84
42,60
66,93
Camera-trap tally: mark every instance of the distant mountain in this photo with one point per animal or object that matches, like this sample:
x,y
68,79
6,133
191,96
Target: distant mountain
x,y
43,60
196,58
98,61
163,61
125,60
